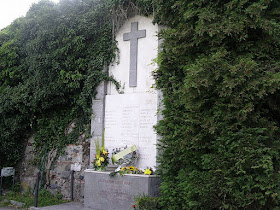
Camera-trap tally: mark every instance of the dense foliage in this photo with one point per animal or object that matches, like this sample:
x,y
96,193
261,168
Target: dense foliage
x,y
51,61
219,71
220,76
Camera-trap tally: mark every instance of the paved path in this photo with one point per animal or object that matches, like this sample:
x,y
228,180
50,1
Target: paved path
x,y
64,206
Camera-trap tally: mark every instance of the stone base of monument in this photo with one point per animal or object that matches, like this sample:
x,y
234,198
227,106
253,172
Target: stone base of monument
x,y
103,192
110,168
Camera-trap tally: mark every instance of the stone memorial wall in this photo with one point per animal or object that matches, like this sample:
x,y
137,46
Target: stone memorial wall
x,y
129,115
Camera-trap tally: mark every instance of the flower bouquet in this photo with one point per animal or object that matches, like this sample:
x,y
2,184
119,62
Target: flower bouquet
x,y
132,170
149,171
130,158
127,170
101,157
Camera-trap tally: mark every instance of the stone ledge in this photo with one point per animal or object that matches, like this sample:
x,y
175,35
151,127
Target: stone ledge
x,y
108,172
17,204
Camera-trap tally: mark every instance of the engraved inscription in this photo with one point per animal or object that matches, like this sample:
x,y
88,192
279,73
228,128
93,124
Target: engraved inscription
x,y
129,120
115,189
129,124
111,119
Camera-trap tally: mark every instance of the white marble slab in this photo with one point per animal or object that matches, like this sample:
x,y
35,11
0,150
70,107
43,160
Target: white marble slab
x,y
129,120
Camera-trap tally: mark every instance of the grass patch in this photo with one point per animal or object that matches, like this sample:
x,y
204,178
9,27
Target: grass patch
x,y
45,198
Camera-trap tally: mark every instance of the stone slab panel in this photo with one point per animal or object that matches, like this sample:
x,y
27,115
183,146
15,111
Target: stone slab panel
x,y
129,120
101,91
97,118
110,193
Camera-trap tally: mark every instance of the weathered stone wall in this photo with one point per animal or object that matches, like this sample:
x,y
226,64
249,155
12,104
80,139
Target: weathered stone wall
x,y
60,173
28,171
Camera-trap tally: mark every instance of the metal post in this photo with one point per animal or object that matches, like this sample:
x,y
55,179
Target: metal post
x,y
13,182
1,186
37,189
72,185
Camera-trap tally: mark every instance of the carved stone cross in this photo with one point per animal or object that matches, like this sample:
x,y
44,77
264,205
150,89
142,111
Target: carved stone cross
x,y
133,37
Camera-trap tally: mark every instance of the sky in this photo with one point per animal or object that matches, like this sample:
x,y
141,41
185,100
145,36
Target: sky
x,y
12,9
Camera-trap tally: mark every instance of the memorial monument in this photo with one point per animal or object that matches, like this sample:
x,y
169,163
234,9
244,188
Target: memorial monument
x,y
128,115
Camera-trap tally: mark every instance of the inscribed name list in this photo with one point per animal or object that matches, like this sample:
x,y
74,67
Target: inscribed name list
x,y
129,120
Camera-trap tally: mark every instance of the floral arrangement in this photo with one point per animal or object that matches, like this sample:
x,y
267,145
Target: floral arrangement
x,y
101,157
149,171
132,170
127,170
129,159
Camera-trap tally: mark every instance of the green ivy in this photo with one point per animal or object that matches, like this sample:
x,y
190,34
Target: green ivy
x,y
52,60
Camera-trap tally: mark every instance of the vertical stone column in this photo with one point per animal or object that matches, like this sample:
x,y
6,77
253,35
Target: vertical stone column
x,y
98,116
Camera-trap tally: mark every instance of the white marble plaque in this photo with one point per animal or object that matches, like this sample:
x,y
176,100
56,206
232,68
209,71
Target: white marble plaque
x,y
129,120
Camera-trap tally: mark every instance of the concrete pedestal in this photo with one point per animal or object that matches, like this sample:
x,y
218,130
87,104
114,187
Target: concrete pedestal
x,y
110,193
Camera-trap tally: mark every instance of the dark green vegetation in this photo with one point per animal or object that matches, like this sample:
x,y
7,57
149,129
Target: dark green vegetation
x,y
51,63
45,198
219,73
144,202
220,76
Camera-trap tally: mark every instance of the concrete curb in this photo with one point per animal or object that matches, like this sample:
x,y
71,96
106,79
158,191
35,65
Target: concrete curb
x,y
64,206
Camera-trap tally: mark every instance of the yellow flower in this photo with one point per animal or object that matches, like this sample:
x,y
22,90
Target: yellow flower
x,y
98,163
104,152
131,168
148,171
101,159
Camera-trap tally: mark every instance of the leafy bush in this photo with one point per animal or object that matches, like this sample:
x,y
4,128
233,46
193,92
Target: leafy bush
x,y
219,73
145,202
58,195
